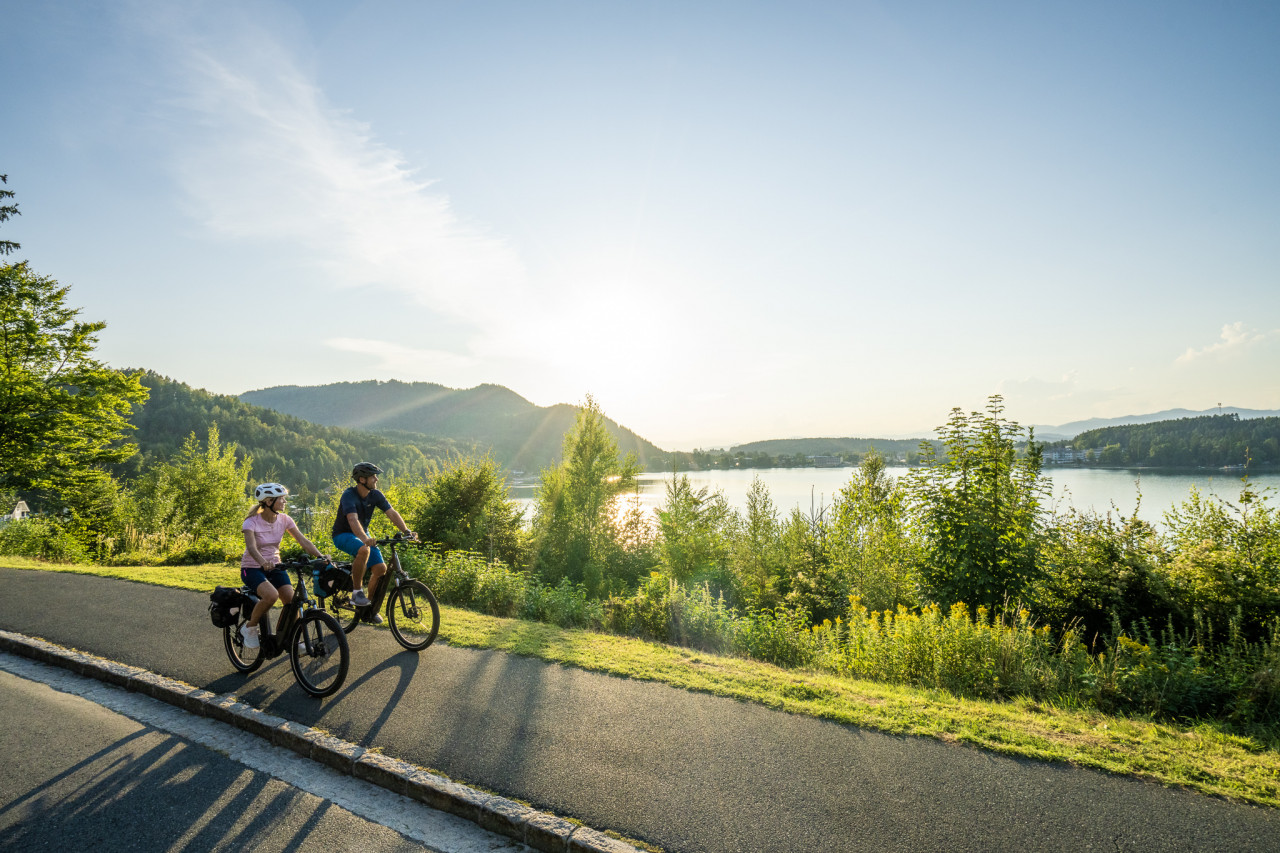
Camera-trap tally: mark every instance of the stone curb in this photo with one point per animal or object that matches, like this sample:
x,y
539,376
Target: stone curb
x,y
539,830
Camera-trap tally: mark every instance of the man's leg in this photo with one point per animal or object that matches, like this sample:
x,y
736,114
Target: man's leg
x,y
375,574
358,562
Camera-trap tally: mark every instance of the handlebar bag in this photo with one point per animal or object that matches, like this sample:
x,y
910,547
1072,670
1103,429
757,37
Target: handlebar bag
x,y
331,579
224,606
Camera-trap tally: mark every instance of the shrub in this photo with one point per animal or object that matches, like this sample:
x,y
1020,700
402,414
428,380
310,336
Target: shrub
x,y
465,507
41,538
1096,570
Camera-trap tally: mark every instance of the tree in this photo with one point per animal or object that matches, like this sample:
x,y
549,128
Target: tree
x,y
573,509
8,247
466,508
697,526
758,549
868,543
978,509
62,413
200,495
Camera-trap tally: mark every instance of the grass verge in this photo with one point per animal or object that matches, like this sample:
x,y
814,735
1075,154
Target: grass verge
x,y
1204,757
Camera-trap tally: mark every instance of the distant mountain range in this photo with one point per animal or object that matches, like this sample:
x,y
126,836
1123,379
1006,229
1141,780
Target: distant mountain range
x,y
523,436
527,437
1071,430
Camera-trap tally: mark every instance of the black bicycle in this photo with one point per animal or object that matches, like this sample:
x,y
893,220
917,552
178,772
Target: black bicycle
x,y
412,611
316,643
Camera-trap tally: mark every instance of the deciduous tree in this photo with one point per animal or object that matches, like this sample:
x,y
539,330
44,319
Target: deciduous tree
x,y
978,508
62,412
572,520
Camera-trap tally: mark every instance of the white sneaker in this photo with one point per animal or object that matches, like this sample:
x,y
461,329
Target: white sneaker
x,y
250,634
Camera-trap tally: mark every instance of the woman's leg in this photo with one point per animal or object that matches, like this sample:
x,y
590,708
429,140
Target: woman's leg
x,y
267,596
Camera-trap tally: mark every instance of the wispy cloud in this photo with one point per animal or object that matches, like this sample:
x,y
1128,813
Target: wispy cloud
x,y
397,360
1235,338
273,160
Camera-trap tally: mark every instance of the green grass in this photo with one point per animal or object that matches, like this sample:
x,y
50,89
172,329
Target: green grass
x,y
1204,757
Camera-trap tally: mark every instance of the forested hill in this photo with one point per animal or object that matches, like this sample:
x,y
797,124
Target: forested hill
x,y
889,448
521,435
1212,441
283,447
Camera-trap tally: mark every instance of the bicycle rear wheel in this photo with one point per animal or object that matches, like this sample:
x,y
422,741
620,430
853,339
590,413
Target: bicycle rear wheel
x,y
318,653
243,659
414,615
339,604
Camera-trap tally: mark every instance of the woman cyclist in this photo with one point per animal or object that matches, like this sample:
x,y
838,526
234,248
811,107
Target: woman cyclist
x,y
264,528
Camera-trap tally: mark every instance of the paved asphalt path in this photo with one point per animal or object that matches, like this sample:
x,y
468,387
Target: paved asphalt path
x,y
680,770
81,777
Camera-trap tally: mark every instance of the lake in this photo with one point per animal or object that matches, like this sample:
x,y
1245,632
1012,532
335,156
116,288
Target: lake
x,y
1098,489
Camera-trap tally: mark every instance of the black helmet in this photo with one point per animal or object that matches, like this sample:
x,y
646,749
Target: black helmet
x,y
364,469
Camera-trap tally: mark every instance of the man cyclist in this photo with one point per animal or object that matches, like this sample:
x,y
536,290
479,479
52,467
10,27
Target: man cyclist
x,y
350,530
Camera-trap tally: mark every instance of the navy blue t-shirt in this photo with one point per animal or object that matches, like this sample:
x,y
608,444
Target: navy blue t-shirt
x,y
351,502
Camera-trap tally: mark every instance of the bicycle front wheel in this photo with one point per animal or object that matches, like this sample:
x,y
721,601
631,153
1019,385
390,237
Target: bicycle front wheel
x,y
414,615
244,659
319,654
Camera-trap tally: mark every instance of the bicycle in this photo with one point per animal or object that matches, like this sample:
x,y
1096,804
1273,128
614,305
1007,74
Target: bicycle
x,y
316,643
413,614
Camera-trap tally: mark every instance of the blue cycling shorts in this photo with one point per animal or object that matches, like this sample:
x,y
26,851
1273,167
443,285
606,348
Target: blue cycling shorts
x,y
253,577
349,543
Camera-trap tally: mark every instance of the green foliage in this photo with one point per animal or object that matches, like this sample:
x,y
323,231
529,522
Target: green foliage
x,y
62,412
870,550
757,550
466,507
491,418
796,453
573,523
1226,559
696,528
978,510
306,457
1207,440
8,247
41,538
1096,571
811,582
468,580
193,505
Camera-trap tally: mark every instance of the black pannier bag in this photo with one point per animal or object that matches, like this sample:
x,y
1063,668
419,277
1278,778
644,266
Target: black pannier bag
x,y
224,606
332,578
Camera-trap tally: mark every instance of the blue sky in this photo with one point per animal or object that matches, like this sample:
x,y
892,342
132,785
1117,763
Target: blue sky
x,y
726,221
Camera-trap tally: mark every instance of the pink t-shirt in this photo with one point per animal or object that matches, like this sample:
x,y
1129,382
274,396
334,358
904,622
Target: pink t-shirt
x,y
267,536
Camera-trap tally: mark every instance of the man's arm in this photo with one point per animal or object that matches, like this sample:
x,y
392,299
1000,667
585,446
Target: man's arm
x,y
358,529
399,523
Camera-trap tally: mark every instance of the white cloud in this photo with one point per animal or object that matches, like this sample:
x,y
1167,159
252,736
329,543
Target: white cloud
x,y
1235,338
272,160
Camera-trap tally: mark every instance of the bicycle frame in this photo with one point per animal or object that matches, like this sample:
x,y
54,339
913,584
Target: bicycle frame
x,y
386,583
413,614
289,615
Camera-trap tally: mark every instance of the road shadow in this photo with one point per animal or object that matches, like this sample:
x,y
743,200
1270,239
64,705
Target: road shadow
x,y
151,791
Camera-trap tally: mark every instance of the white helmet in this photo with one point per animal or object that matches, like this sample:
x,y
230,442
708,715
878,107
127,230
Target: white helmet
x,y
269,492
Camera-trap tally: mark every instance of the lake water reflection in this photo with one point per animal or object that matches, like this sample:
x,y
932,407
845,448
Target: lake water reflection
x,y
1082,488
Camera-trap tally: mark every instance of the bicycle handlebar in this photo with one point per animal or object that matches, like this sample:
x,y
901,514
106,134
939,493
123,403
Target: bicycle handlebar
x,y
301,565
401,539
